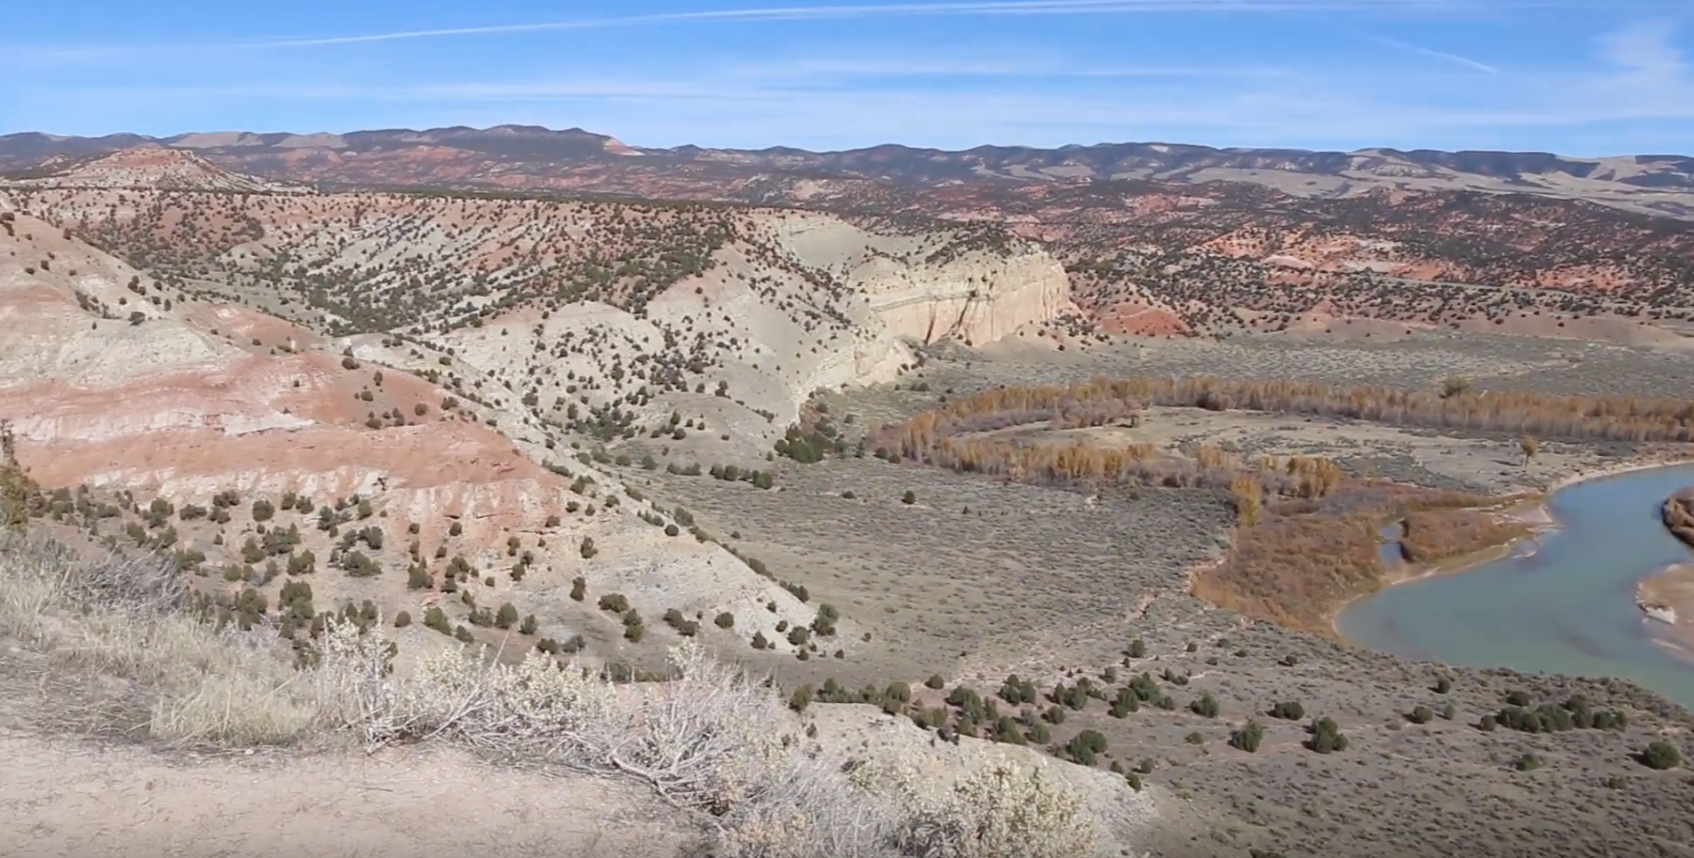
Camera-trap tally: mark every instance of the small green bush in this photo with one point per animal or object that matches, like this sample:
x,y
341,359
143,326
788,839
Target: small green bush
x,y
1326,737
1248,737
800,699
1661,756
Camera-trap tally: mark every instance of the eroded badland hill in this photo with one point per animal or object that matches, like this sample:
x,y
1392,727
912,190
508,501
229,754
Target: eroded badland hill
x,y
912,465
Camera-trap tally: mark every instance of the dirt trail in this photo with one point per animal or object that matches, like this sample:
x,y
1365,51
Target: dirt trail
x,y
71,798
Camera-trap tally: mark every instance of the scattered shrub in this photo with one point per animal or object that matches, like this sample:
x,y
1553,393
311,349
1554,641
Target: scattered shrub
x,y
1326,737
1661,756
1248,737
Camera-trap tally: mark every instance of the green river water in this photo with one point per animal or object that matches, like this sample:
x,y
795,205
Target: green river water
x,y
1561,602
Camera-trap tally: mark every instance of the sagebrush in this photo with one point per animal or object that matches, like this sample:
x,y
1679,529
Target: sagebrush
x,y
712,740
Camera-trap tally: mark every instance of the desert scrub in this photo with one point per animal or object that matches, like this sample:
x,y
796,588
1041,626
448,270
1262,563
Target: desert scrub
x,y
1434,535
1661,755
1306,558
1248,737
178,678
998,810
1326,737
713,739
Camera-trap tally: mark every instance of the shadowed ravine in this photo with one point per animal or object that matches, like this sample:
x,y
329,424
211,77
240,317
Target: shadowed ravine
x,y
1563,602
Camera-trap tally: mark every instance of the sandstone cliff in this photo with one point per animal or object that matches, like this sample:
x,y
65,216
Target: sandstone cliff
x,y
976,299
934,285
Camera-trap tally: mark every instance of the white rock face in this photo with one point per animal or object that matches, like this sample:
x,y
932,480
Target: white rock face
x,y
977,299
922,291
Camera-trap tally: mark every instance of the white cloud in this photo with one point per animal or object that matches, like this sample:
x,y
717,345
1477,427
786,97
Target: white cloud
x,y
1644,49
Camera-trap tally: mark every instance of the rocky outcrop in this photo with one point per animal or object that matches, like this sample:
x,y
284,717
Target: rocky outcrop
x,y
975,299
928,286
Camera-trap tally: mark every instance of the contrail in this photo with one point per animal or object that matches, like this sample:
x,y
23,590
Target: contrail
x,y
1431,52
982,7
841,12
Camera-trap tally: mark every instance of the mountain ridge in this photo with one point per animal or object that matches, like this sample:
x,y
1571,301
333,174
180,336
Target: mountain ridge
x,y
521,157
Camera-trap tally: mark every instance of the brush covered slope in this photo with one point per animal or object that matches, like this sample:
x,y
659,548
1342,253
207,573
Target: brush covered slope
x,y
403,388
260,452
364,453
1157,239
867,452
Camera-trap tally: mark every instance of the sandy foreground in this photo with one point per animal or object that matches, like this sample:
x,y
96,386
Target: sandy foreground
x,y
72,798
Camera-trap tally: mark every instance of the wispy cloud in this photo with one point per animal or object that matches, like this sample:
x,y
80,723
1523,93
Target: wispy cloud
x,y
1644,50
72,55
891,10
995,84
847,68
1431,52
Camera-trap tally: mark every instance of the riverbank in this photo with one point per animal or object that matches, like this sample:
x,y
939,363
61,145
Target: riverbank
x,y
1667,598
1535,518
1674,586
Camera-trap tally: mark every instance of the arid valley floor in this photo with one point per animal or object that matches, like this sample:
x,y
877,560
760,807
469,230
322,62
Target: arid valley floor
x,y
913,472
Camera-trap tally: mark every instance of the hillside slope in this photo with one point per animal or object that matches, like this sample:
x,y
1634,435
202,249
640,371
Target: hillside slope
x,y
530,157
200,412
1161,240
411,385
576,309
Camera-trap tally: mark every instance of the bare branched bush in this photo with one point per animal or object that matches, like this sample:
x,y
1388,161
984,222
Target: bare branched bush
x,y
997,811
712,740
182,680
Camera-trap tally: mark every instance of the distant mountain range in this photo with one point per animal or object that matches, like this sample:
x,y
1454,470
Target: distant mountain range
x,y
532,158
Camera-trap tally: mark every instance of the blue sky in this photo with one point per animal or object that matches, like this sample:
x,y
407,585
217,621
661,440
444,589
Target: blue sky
x,y
1581,77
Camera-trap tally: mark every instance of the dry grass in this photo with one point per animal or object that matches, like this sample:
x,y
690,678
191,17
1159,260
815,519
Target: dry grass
x,y
155,670
937,437
1302,560
1293,563
717,743
1102,400
1435,535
